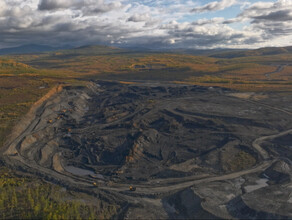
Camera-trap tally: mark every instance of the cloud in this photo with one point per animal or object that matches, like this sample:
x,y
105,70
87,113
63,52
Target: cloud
x,y
100,7
208,34
55,4
147,23
277,11
143,18
272,19
139,17
3,7
209,21
214,6
88,7
281,15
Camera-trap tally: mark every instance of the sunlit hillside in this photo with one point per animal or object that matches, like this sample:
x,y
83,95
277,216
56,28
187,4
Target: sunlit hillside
x,y
244,70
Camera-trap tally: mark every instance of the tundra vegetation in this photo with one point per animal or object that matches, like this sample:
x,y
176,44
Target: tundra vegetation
x,y
27,198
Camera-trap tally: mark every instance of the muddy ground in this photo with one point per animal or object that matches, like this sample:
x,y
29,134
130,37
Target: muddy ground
x,y
190,151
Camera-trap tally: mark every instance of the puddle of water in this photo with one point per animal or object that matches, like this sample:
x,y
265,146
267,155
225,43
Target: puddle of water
x,y
78,171
259,184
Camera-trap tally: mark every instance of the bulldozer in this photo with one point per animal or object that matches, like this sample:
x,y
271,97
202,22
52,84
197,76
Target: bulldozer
x,y
94,184
132,188
50,121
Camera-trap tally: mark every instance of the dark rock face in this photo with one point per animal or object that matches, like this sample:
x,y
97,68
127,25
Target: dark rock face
x,y
238,209
144,130
279,172
185,205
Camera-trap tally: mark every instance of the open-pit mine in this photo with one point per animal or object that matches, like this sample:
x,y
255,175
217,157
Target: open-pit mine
x,y
163,150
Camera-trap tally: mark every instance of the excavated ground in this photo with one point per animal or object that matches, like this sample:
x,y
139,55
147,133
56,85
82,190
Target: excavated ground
x,y
191,151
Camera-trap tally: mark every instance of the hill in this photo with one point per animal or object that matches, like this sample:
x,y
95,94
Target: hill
x,y
8,66
258,52
91,50
30,48
245,70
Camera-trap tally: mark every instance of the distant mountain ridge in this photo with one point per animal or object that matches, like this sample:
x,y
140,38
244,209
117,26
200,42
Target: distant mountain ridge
x,y
102,50
31,48
266,51
218,52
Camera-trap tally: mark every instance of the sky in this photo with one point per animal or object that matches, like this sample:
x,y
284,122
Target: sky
x,y
196,24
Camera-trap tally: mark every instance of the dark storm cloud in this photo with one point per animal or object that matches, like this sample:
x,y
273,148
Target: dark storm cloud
x,y
55,4
281,15
88,7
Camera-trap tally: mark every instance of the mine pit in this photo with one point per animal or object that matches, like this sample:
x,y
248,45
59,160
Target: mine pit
x,y
172,142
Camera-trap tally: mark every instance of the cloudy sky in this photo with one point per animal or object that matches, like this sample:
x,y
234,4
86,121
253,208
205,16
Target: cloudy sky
x,y
196,24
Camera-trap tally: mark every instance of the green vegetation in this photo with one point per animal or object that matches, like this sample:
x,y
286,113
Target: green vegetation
x,y
17,94
21,86
8,67
240,161
242,70
252,53
24,198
